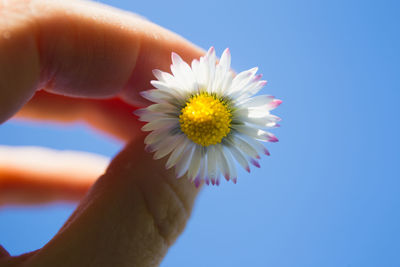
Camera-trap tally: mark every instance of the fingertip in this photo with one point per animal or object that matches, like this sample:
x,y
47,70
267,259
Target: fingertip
x,y
156,56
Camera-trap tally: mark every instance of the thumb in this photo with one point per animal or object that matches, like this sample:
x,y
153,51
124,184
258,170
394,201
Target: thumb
x,y
130,217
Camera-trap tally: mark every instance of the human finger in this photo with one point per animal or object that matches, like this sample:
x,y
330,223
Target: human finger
x,y
33,175
80,49
130,217
112,117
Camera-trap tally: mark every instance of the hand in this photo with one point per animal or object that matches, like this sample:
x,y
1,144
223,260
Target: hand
x,y
90,61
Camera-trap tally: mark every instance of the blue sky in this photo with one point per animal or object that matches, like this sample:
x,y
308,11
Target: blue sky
x,y
329,194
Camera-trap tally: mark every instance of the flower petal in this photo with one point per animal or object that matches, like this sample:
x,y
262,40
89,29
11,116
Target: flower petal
x,y
244,146
172,88
225,62
183,73
167,146
260,148
177,153
183,164
151,116
212,164
210,60
242,80
202,171
257,101
251,89
156,136
256,133
163,108
160,123
196,162
240,158
157,96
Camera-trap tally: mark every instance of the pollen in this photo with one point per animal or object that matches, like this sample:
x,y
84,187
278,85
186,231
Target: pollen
x,y
205,119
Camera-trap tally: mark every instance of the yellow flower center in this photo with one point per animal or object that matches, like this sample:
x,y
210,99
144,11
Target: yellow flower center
x,y
205,119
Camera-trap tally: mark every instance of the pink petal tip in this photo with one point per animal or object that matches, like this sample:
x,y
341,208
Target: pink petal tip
x,y
213,181
138,112
226,177
174,55
273,139
155,72
255,163
197,181
148,148
258,77
275,103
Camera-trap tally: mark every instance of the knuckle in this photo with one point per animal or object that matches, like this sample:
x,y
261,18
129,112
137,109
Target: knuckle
x,y
167,211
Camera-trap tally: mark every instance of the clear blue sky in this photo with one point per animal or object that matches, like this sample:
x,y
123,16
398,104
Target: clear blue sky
x,y
329,195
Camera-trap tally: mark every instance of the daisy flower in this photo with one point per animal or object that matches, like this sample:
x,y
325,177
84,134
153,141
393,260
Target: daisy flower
x,y
205,118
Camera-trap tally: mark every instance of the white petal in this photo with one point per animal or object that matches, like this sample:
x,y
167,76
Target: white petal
x,y
259,116
156,136
196,70
196,162
160,123
163,108
244,113
162,76
257,101
221,71
200,70
161,144
168,145
164,86
256,133
183,73
157,96
251,89
269,121
172,88
222,161
211,60
226,83
245,147
242,80
225,61
231,163
212,164
150,116
261,149
240,158
202,172
177,153
141,111
183,163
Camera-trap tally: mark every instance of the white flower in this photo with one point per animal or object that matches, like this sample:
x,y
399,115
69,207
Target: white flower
x,y
205,117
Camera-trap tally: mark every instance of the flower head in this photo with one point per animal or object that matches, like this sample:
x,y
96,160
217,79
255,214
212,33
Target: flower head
x,y
206,118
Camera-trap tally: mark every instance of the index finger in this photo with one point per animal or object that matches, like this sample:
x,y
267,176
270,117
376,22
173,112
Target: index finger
x,y
79,49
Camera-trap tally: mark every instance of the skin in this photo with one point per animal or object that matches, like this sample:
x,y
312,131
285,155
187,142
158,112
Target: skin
x,y
63,61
